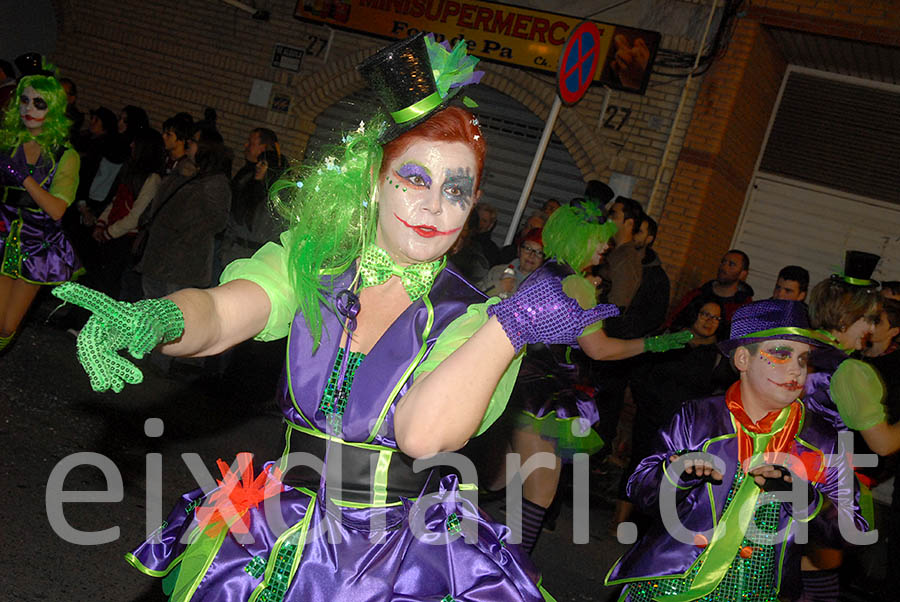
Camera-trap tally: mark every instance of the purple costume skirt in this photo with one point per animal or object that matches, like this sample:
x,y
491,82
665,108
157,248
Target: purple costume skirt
x,y
34,248
333,554
557,402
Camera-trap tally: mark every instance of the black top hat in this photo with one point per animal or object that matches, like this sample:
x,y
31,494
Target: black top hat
x,y
858,268
31,63
403,76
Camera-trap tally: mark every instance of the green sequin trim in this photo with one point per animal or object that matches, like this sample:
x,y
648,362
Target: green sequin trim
x,y
281,573
448,598
12,254
750,579
337,390
453,523
256,567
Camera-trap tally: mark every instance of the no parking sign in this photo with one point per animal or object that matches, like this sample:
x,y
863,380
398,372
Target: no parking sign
x,y
578,62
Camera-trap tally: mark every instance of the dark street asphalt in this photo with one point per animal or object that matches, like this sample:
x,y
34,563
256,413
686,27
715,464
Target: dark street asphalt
x,y
49,412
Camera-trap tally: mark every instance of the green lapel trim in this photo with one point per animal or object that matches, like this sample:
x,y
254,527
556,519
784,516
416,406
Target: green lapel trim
x,y
409,369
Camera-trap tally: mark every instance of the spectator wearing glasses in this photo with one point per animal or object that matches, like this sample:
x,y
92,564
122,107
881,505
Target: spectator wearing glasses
x,y
504,279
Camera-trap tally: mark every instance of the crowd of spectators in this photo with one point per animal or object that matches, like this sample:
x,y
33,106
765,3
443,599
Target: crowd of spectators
x,y
158,208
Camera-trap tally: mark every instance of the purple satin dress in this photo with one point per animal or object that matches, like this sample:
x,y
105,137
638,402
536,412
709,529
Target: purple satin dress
x,y
360,534
33,246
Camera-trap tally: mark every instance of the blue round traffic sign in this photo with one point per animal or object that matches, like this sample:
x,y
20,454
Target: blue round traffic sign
x,y
578,62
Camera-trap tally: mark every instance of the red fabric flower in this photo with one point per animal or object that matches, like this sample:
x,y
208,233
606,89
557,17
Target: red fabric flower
x,y
228,505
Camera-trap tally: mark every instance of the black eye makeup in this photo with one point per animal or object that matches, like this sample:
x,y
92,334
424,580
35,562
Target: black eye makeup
x,y
458,187
39,103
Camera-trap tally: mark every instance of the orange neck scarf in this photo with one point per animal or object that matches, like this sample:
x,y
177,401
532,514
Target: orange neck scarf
x,y
781,442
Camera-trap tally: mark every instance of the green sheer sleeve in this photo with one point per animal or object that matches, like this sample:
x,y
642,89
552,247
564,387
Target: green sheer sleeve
x,y
457,333
858,391
268,268
65,181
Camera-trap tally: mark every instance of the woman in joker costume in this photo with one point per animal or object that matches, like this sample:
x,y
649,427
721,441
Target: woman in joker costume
x,y
38,180
556,396
391,356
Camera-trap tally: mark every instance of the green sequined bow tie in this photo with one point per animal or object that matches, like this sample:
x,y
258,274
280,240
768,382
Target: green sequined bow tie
x,y
376,266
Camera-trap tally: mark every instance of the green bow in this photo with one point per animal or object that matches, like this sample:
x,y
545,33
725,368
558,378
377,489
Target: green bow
x,y
376,267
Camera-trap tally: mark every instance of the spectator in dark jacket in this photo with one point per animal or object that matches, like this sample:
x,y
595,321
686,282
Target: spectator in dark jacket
x,y
186,214
252,223
728,287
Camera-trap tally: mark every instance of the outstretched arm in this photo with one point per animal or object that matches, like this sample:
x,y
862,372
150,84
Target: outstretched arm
x,y
188,322
218,318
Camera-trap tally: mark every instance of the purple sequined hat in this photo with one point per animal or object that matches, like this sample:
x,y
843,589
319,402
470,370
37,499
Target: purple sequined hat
x,y
770,319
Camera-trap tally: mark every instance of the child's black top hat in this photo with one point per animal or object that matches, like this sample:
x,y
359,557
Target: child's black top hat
x,y
858,268
31,63
416,77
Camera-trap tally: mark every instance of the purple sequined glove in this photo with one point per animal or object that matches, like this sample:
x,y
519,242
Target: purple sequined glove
x,y
543,313
9,172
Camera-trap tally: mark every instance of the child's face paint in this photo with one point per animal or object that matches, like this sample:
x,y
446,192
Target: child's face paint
x,y
32,109
424,199
777,372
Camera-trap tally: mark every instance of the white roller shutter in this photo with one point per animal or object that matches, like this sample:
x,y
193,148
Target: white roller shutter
x,y
828,180
512,132
790,222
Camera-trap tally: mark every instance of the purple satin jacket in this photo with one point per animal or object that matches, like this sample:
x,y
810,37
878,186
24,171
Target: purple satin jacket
x,y
705,425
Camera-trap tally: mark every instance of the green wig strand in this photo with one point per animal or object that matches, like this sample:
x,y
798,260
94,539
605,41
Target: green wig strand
x,y
330,210
571,236
55,131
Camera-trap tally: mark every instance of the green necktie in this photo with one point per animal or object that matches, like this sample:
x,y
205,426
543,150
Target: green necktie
x,y
376,266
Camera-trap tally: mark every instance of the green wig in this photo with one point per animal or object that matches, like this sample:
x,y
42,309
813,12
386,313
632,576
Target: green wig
x,y
55,131
572,233
331,215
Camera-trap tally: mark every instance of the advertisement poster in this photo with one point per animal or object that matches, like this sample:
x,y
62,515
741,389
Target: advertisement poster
x,y
499,32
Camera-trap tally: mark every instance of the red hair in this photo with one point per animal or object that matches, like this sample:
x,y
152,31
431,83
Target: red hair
x,y
453,124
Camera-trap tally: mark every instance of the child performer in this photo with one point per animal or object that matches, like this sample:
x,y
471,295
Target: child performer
x,y
725,536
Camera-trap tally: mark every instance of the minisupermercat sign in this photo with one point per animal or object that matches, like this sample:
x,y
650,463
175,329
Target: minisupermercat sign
x,y
499,32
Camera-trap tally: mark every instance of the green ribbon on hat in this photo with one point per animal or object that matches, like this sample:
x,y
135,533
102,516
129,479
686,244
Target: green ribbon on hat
x,y
450,69
376,267
774,332
418,109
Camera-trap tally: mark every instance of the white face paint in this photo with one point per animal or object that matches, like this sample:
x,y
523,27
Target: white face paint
x,y
32,109
424,198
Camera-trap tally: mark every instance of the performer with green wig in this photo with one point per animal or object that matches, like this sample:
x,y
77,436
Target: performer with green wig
x,y
38,180
392,356
553,391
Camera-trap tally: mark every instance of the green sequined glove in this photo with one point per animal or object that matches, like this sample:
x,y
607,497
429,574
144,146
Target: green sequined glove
x,y
137,327
667,342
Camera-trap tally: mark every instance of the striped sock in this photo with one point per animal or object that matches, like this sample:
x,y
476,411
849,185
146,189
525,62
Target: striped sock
x,y
532,522
4,341
820,586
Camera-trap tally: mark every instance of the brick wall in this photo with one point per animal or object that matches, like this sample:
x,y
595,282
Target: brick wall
x,y
170,56
726,129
